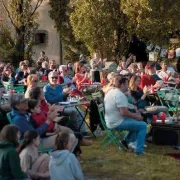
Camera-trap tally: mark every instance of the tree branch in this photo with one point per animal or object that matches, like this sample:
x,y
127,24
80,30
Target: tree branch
x,y
38,4
2,1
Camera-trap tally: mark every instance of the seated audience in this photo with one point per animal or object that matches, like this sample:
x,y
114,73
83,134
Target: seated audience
x,y
139,96
148,79
70,69
63,164
82,59
43,57
23,73
122,64
44,70
81,76
63,78
117,116
166,72
20,117
133,68
9,159
33,164
32,81
8,75
54,93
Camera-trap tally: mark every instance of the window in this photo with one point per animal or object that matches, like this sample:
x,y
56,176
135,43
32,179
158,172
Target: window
x,y
41,37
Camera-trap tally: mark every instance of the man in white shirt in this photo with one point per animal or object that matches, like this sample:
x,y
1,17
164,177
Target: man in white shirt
x,y
118,116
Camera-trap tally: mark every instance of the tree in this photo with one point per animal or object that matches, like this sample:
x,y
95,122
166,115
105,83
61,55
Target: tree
x,y
7,46
22,15
97,23
152,19
60,13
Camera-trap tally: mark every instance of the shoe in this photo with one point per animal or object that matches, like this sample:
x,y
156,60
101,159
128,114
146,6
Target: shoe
x,y
132,146
124,145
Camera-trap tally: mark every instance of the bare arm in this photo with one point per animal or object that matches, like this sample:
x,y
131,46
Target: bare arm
x,y
125,112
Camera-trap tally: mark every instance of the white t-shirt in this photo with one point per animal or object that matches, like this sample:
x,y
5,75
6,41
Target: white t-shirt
x,y
113,101
163,74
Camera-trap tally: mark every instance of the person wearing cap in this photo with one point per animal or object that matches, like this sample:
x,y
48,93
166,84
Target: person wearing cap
x,y
82,59
20,117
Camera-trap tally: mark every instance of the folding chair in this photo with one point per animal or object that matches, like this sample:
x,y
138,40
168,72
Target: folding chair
x,y
112,135
19,89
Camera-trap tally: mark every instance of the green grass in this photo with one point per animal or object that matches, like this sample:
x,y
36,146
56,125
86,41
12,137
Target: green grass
x,y
119,165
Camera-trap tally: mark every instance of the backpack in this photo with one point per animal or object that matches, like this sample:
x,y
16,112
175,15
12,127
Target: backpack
x,y
94,117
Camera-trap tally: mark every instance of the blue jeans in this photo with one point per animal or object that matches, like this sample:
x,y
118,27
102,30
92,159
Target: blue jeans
x,y
137,132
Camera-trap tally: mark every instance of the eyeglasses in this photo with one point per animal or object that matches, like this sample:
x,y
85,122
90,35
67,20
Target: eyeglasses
x,y
55,77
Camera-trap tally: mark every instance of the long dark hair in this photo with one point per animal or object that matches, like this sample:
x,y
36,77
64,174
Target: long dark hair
x,y
9,133
32,103
35,93
61,139
29,136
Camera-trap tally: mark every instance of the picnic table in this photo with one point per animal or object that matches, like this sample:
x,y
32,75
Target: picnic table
x,y
76,104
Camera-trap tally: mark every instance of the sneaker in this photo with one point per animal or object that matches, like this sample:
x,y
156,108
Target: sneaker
x,y
132,146
124,145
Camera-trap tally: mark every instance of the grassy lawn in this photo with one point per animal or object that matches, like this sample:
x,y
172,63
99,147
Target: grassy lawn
x,y
119,165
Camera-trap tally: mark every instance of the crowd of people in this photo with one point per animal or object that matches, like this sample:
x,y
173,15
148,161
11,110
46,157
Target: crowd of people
x,y
37,119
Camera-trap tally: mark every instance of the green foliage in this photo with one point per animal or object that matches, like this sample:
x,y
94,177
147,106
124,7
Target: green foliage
x,y
60,14
7,48
22,15
152,19
95,22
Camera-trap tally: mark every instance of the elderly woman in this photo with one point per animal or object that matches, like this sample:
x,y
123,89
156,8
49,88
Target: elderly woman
x,y
32,82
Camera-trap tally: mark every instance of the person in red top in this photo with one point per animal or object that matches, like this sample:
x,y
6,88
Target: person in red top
x,y
81,76
38,115
147,79
37,93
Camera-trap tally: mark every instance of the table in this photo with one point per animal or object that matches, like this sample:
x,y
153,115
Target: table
x,y
166,134
83,117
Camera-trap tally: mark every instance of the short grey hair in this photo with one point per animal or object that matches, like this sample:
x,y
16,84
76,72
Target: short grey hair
x,y
51,73
17,99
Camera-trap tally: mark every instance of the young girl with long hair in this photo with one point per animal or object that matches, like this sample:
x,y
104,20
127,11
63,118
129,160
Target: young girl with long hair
x,y
9,159
31,163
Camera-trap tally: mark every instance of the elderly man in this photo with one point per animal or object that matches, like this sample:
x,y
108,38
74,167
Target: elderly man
x,y
118,116
54,93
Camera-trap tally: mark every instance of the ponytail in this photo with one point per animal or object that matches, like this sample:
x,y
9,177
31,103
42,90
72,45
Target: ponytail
x,y
29,136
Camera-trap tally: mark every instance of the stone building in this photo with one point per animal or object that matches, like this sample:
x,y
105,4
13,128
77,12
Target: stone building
x,y
47,38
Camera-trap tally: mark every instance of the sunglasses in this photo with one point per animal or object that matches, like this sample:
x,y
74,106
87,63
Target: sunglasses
x,y
35,81
55,77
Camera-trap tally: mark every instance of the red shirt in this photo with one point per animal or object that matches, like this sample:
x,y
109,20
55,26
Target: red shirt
x,y
146,81
44,107
41,119
79,80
